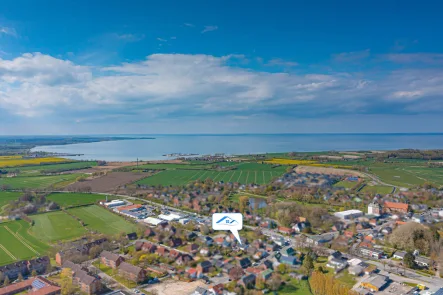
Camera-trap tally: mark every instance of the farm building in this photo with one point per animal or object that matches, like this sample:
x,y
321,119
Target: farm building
x,y
349,214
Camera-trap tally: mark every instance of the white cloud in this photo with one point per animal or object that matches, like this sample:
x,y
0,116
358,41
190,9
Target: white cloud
x,y
189,25
130,37
353,56
162,40
8,31
209,29
281,62
180,84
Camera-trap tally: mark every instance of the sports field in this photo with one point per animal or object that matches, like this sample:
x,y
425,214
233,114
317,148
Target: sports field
x,y
182,177
72,199
16,244
34,182
56,226
101,220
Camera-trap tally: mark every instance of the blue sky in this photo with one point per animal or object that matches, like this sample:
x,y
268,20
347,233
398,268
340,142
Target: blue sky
x,y
82,67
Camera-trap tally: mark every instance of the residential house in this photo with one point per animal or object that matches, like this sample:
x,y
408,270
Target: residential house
x,y
289,260
267,264
422,261
319,240
286,230
86,283
25,267
337,264
396,207
183,259
235,273
175,242
149,233
132,272
266,274
204,266
111,260
35,286
77,250
174,254
356,270
374,253
193,248
399,255
287,251
271,247
204,252
132,236
162,251
248,282
245,262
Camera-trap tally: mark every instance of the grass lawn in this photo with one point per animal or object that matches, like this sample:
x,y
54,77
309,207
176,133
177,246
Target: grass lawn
x,y
113,273
36,182
346,184
72,199
101,220
182,177
378,189
56,226
16,244
296,288
346,278
6,197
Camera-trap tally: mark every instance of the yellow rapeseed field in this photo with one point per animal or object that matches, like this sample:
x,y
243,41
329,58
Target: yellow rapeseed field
x,y
19,161
9,157
304,162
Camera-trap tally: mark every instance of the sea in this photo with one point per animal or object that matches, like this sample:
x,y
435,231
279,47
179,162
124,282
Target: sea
x,y
241,144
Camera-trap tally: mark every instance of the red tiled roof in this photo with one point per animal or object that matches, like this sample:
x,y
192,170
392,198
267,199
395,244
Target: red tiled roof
x,y
398,206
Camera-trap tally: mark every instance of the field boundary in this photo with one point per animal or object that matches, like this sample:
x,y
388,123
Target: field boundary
x,y
21,239
7,252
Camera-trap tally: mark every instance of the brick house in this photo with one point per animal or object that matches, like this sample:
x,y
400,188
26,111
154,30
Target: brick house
x,y
110,259
87,284
131,272
396,207
204,266
46,287
25,267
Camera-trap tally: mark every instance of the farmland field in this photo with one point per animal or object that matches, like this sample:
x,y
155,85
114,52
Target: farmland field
x,y
101,220
16,244
186,166
56,226
6,197
72,199
182,177
18,161
408,176
37,169
38,181
108,182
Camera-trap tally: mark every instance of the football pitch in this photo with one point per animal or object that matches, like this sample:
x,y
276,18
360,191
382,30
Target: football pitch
x,y
16,244
56,226
182,177
101,220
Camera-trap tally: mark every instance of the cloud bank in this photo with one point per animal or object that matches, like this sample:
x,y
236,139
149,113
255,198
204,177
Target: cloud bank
x,y
177,86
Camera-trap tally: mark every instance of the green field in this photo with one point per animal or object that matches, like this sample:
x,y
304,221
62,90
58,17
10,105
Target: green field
x,y
408,175
16,244
378,189
37,169
6,197
38,182
182,177
56,226
198,165
346,184
101,220
72,199
296,288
